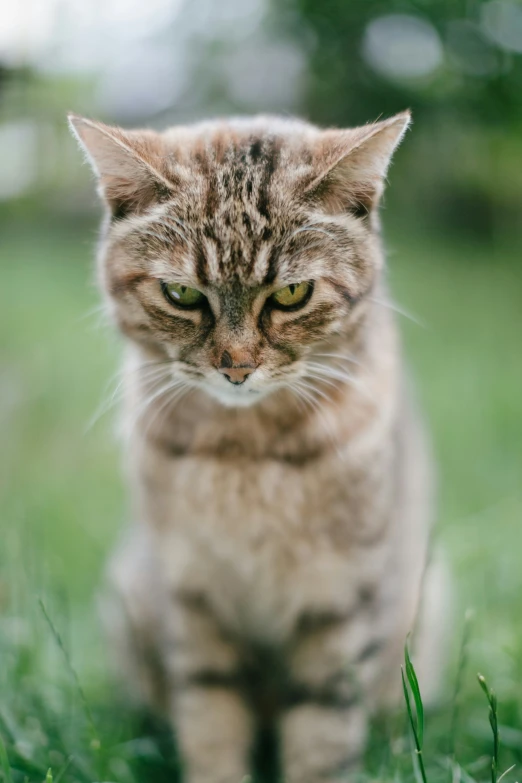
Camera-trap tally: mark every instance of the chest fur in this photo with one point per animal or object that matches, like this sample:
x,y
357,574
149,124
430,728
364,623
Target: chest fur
x,y
264,540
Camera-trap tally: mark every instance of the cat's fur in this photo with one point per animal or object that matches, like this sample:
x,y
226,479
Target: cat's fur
x,y
281,525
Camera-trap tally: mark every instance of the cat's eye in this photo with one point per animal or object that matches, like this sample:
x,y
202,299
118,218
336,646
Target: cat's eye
x,y
292,296
182,296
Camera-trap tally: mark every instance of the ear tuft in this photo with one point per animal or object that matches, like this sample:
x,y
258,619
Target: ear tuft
x,y
350,165
129,166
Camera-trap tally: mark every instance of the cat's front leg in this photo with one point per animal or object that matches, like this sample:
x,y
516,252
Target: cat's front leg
x,y
322,742
323,730
212,722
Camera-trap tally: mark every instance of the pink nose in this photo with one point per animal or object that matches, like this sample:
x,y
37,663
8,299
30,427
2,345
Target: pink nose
x,y
236,371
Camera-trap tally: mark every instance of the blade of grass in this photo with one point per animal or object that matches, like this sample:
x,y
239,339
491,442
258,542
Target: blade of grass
x,y
493,722
4,763
95,740
414,685
418,747
461,667
63,770
506,772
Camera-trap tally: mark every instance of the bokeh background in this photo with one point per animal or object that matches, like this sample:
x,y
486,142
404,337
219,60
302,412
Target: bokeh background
x,y
453,225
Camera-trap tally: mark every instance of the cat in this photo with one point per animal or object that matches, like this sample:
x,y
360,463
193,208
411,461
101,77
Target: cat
x,y
281,482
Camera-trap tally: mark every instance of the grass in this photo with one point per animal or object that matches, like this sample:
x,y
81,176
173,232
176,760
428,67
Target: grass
x,y
62,504
411,683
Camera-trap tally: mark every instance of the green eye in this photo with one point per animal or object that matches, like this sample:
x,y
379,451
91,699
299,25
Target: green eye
x,y
182,295
293,296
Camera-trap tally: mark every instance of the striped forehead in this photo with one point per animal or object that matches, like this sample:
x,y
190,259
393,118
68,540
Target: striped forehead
x,y
222,260
270,264
236,219
237,231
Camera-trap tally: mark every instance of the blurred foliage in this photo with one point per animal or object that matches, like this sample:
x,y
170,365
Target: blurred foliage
x,y
344,87
460,166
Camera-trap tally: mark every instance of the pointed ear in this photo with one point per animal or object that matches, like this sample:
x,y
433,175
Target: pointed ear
x,y
129,165
350,165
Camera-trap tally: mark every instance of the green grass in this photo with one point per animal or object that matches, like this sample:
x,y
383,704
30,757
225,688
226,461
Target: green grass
x,y
62,504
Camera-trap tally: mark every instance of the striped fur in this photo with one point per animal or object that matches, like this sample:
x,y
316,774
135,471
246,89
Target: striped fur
x,y
282,522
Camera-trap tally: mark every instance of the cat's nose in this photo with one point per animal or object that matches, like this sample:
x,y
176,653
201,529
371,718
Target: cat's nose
x,y
237,375
236,368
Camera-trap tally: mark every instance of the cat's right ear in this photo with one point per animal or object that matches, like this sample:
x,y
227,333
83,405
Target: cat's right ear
x,y
129,166
350,166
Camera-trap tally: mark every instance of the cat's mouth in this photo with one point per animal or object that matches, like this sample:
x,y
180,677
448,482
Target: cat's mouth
x,y
231,390
236,391
235,394
241,390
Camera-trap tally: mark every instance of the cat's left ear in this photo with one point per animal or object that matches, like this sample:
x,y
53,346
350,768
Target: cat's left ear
x,y
350,166
129,165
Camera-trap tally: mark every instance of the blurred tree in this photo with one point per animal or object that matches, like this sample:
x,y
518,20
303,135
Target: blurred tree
x,y
456,63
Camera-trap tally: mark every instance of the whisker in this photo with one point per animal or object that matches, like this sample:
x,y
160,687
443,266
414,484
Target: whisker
x,y
331,372
305,401
103,408
322,379
99,310
396,309
145,365
142,370
314,404
170,386
344,356
150,373
297,385
177,393
303,395
355,383
321,372
297,396
314,389
153,373
309,391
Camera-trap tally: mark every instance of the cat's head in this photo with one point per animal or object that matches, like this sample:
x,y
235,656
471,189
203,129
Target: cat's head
x,y
234,248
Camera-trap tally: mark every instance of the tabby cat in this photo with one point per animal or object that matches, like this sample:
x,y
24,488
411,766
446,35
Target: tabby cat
x,y
280,481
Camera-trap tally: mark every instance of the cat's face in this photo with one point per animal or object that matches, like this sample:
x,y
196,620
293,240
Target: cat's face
x,y
236,249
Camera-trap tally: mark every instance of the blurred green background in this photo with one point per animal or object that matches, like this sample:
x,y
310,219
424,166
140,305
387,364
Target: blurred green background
x,y
452,222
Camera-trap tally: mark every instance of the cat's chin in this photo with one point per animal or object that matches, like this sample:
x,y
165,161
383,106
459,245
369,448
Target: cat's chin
x,y
236,397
